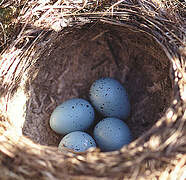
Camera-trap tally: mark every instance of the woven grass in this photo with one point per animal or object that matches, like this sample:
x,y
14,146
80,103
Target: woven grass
x,y
158,153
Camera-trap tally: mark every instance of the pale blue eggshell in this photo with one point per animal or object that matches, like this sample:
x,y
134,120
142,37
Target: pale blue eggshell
x,y
110,98
77,141
72,115
111,134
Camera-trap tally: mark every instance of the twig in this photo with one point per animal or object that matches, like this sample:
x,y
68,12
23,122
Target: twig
x,y
114,55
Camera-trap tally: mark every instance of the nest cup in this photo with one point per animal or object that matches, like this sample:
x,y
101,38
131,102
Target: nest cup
x,y
39,74
75,60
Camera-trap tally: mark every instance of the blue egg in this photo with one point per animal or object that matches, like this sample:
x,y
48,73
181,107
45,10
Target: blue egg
x,y
110,98
72,115
111,134
77,141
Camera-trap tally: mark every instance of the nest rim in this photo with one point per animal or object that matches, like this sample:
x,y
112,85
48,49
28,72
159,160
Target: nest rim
x,y
91,157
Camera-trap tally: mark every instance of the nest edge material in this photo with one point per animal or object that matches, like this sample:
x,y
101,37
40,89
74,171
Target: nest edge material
x,y
23,159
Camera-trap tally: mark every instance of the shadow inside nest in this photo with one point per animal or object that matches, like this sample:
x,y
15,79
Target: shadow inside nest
x,y
73,61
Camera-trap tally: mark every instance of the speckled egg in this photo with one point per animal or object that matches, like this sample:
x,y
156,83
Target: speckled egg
x,y
72,115
77,141
111,134
110,98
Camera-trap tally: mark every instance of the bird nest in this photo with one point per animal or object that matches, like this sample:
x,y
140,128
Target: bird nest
x,y
62,48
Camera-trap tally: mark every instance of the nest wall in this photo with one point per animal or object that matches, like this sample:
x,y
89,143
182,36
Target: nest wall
x,y
154,28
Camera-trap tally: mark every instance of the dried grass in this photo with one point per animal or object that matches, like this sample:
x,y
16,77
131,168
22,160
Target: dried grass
x,y
21,158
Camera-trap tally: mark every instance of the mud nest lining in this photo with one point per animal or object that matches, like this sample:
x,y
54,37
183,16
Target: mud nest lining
x,y
140,43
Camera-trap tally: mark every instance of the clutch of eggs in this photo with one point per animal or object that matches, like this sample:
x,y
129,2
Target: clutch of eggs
x,y
73,116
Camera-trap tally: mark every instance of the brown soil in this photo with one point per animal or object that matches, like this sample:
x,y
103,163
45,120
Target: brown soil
x,y
75,58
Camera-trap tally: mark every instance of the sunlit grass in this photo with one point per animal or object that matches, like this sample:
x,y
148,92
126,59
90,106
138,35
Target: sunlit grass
x,y
9,12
